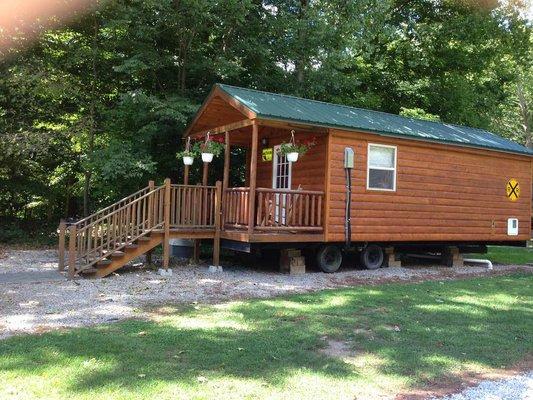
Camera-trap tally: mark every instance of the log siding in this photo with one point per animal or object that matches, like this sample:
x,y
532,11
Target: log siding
x,y
443,193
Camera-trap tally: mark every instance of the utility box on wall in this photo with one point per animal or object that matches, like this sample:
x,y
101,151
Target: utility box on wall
x,y
349,158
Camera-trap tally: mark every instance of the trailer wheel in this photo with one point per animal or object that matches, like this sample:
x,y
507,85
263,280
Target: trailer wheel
x,y
329,258
372,256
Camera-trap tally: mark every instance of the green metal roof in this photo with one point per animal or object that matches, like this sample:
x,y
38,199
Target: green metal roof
x,y
295,109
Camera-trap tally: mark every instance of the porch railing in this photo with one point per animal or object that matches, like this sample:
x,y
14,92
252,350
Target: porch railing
x,y
113,229
235,207
292,210
192,206
276,209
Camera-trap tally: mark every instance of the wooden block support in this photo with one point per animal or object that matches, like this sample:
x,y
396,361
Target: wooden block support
x,y
149,257
451,257
291,261
391,258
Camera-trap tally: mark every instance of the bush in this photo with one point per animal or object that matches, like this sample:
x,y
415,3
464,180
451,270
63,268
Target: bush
x,y
32,233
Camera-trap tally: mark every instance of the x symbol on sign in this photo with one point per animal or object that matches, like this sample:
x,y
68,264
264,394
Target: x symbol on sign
x,y
513,189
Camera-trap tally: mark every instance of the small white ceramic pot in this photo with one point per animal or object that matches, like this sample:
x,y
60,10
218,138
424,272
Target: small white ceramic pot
x,y
292,157
207,157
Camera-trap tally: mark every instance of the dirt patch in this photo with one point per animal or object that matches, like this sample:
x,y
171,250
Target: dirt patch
x,y
450,384
337,349
438,274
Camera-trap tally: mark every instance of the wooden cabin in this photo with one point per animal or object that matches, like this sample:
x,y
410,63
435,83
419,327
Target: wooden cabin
x,y
373,181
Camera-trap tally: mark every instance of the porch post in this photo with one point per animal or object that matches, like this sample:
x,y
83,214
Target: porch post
x,y
253,175
203,199
227,152
151,187
204,174
186,175
62,233
166,213
225,180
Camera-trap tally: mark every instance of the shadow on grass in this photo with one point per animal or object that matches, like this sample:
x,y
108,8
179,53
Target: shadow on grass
x,y
418,331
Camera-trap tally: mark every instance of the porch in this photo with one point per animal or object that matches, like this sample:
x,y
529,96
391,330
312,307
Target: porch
x,y
279,215
272,200
279,201
107,240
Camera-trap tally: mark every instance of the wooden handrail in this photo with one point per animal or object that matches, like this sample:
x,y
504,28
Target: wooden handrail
x,y
235,207
237,189
192,186
95,222
186,207
276,209
103,210
289,191
162,208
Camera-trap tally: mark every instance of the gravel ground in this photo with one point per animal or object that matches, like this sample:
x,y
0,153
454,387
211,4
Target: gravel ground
x,y
519,387
38,307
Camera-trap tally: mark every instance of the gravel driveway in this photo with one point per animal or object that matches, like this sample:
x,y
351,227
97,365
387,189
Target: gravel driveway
x,y
38,307
515,388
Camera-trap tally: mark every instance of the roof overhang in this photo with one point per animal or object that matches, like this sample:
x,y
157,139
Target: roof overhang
x,y
218,113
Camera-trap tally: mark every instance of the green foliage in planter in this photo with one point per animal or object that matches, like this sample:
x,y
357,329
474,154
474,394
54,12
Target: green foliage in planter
x,y
186,153
211,146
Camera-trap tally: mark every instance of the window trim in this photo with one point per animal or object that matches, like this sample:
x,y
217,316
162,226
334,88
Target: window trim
x,y
395,169
275,151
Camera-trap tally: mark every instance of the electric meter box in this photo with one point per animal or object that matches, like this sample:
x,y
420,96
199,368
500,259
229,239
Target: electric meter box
x,y
349,157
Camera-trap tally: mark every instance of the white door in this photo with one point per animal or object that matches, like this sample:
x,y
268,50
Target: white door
x,y
281,179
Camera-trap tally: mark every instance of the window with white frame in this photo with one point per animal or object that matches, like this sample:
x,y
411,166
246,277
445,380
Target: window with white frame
x,y
381,174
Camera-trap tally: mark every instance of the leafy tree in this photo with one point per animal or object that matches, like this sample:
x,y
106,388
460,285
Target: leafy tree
x,y
91,110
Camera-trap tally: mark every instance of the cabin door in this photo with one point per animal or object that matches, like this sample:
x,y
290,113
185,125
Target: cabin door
x,y
281,179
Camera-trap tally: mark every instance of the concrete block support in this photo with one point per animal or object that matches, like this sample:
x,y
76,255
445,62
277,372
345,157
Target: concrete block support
x,y
451,257
291,261
391,258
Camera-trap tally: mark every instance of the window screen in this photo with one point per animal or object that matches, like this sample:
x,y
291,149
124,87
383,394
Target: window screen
x,y
381,167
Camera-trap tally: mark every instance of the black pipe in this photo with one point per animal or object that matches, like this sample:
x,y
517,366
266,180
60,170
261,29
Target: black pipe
x,y
348,206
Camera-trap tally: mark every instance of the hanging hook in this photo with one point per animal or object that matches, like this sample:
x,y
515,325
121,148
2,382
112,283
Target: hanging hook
x,y
292,137
207,137
188,144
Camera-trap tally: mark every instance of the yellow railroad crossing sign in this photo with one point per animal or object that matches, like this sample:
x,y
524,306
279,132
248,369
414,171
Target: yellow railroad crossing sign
x,y
512,189
267,154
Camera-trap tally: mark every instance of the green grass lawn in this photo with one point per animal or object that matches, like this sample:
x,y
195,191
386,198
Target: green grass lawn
x,y
507,255
399,336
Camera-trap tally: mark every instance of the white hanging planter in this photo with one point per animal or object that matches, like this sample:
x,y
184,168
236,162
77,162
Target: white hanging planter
x,y
292,156
188,160
207,157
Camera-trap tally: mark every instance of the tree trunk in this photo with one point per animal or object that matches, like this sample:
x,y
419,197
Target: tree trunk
x,y
300,62
525,113
93,124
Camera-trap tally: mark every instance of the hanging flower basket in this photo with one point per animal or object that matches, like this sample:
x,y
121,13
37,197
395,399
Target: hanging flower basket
x,y
292,156
188,154
211,147
207,157
188,160
293,149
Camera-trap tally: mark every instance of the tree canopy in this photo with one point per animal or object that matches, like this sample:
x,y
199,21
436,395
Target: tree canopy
x,y
92,109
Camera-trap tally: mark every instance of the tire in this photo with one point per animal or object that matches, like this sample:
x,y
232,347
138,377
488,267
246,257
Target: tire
x,y
329,258
372,256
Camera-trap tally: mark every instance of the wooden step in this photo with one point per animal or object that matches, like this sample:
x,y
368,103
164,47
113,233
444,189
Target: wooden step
x,y
117,253
128,255
88,271
103,263
144,239
126,245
